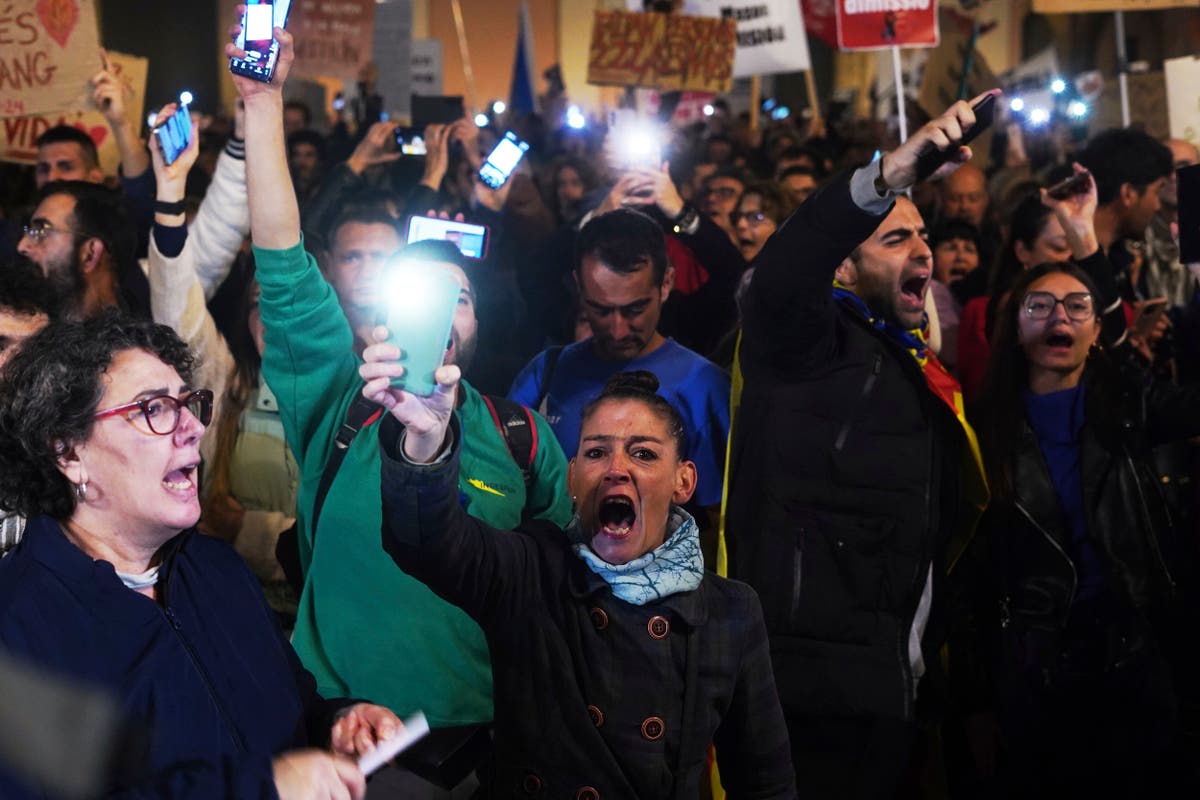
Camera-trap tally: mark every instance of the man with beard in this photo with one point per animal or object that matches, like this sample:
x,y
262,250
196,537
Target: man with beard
x,y
853,475
84,241
363,626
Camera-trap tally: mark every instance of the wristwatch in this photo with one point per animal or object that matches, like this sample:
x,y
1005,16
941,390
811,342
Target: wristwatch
x,y
881,187
686,221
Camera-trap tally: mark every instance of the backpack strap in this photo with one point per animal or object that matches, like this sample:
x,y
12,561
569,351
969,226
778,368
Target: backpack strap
x,y
519,431
362,412
552,354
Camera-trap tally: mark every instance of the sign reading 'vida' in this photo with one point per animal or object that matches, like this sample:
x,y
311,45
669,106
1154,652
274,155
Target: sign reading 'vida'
x,y
879,24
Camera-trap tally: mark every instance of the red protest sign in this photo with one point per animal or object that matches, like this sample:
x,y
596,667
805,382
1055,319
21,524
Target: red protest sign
x,y
878,24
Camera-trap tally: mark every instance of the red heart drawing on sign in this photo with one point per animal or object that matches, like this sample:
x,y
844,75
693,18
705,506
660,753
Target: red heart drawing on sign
x,y
58,17
97,133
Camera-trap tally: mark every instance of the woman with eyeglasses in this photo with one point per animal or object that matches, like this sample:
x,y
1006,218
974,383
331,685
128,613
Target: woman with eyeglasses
x,y
1083,566
112,587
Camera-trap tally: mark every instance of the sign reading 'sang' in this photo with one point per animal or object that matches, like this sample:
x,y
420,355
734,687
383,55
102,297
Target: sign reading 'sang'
x,y
878,24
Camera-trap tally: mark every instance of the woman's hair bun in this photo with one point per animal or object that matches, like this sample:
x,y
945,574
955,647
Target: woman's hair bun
x,y
630,382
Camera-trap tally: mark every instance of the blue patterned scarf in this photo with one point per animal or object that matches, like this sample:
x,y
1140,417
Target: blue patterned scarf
x,y
675,566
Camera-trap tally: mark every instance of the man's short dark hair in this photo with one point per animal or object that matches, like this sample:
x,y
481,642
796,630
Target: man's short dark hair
x,y
729,171
302,107
954,229
1125,155
65,133
370,213
49,393
24,291
308,137
100,213
624,241
799,169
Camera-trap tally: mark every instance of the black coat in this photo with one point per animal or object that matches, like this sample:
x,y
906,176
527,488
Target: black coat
x,y
1033,578
844,476
591,692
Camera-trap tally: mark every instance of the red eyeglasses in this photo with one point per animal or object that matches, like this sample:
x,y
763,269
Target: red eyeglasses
x,y
162,412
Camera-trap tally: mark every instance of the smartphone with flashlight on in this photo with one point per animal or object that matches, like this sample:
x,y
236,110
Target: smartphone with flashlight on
x,y
410,141
417,305
471,239
503,159
635,142
258,39
1066,189
174,134
931,159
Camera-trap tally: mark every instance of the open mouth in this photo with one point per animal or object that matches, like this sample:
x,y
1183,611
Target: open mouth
x,y
616,516
1060,340
182,479
914,288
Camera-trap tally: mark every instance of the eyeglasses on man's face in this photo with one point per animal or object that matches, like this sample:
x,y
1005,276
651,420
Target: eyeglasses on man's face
x,y
751,218
163,412
38,231
1040,305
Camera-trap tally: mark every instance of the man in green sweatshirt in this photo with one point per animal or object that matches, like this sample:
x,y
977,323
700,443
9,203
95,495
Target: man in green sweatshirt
x,y
364,628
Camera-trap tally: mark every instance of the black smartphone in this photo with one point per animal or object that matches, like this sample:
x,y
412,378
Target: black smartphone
x,y
501,162
410,141
1188,182
471,239
175,133
258,38
1076,184
932,158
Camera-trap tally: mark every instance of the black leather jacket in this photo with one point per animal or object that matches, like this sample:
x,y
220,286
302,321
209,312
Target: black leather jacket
x,y
1033,578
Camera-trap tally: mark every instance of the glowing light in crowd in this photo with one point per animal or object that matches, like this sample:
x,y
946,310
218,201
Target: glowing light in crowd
x,y
499,107
481,120
575,118
1017,104
185,97
1077,109
1058,86
781,112
151,118
1039,116
709,110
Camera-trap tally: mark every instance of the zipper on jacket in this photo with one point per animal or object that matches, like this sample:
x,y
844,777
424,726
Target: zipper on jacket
x,y
238,742
797,563
868,387
1149,522
1063,553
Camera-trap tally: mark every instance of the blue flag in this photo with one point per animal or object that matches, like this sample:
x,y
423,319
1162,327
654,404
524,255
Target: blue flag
x,y
522,96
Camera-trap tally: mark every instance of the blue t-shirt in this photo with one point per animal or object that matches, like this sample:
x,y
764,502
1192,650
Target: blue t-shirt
x,y
1057,419
697,388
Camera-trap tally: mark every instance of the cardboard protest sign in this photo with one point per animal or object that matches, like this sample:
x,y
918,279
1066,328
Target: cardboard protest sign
x,y
1072,6
878,24
48,50
18,134
1183,97
662,51
333,37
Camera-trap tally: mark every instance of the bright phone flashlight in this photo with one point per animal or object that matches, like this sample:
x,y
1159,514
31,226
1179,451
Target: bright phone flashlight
x,y
185,97
1058,86
1017,104
499,107
481,120
575,118
1039,116
1077,109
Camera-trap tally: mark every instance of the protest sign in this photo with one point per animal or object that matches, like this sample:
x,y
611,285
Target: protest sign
x,y
1072,6
19,134
333,37
426,67
1183,97
820,20
770,34
48,50
879,24
662,51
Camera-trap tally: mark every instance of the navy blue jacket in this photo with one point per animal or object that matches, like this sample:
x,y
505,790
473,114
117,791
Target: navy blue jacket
x,y
206,671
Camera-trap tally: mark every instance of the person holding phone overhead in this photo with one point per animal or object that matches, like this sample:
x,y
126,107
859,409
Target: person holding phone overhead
x,y
363,626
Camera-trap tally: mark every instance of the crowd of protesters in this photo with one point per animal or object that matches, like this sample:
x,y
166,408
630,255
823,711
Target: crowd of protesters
x,y
763,467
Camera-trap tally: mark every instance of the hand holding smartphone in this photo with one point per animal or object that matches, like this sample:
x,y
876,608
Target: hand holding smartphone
x,y
931,158
1074,185
258,39
503,159
175,133
417,305
471,239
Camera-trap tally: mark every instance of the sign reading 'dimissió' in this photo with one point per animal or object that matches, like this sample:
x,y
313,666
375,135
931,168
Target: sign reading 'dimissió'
x,y
878,24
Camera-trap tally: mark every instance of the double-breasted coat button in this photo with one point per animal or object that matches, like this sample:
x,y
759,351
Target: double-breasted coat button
x,y
597,716
599,618
658,627
532,784
652,729
587,793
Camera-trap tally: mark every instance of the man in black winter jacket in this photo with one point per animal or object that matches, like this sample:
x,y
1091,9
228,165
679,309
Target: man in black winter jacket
x,y
854,479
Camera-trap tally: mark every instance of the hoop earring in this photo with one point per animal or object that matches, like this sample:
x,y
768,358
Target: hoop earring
x,y
80,490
